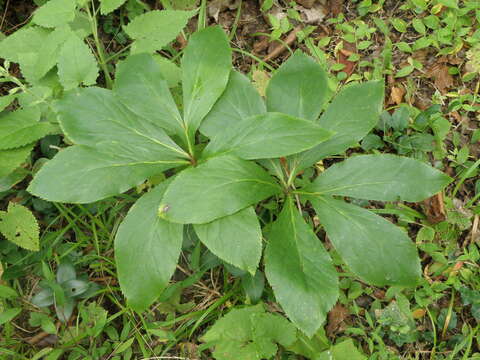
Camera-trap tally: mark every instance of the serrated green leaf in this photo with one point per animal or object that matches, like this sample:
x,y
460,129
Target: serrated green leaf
x,y
13,178
23,47
206,66
155,29
298,88
95,117
380,177
141,87
249,334
236,239
239,101
83,174
121,150
55,13
13,158
264,136
22,127
300,271
354,111
373,248
146,246
346,350
76,64
49,52
20,227
107,6
270,135
219,187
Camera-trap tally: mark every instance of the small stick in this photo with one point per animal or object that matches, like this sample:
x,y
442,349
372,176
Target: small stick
x,y
283,46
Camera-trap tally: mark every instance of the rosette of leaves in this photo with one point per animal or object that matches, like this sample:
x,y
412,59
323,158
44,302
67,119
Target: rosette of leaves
x,y
256,150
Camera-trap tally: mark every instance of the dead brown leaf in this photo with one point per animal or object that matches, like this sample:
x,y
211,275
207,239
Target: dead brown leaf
x,y
336,317
344,54
396,95
442,79
435,208
336,7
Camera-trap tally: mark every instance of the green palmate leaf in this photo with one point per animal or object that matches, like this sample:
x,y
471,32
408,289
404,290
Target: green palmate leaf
x,y
300,271
298,88
239,101
22,127
351,115
13,158
148,247
20,227
206,66
76,64
95,117
219,187
107,6
380,177
81,174
372,247
155,29
55,13
236,239
267,136
249,334
140,85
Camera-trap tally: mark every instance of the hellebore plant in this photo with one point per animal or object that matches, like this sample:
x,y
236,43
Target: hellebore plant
x,y
257,153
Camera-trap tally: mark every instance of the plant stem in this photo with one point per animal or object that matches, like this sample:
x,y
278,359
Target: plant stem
x,y
99,45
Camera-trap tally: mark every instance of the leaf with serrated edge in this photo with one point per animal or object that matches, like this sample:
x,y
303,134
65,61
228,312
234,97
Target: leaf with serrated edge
x,y
76,64
236,239
20,227
95,117
22,127
267,136
219,187
298,88
249,334
354,111
81,174
239,101
300,271
380,177
55,13
141,87
107,6
155,29
13,158
373,248
146,246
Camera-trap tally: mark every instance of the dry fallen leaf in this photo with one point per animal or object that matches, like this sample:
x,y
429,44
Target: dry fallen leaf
x,y
396,95
435,209
344,54
442,79
336,317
